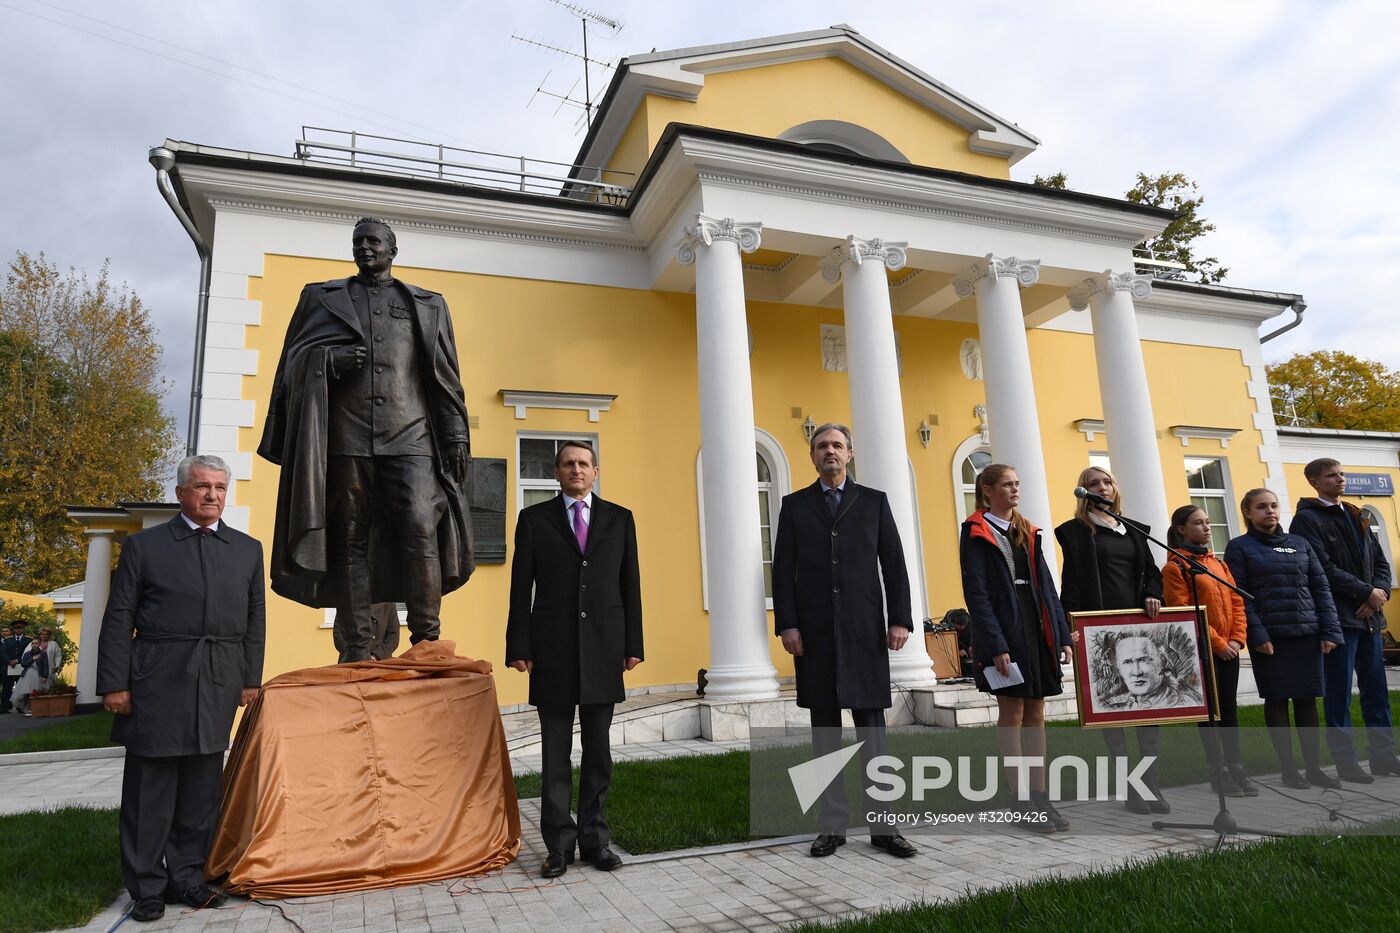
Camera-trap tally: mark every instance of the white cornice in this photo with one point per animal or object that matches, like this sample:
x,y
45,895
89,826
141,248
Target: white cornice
x,y
1090,428
1194,305
1186,432
522,400
735,164
252,190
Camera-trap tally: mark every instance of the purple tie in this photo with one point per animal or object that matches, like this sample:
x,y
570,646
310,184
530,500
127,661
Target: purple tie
x,y
580,526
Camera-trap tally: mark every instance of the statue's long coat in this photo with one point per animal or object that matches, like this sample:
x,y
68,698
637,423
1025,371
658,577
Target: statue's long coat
x,y
295,437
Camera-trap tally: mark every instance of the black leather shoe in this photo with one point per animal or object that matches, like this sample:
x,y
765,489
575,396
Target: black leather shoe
x,y
1057,820
602,858
827,843
1319,778
1159,803
1294,780
1243,781
1353,773
198,896
148,909
1135,803
555,864
895,845
1382,768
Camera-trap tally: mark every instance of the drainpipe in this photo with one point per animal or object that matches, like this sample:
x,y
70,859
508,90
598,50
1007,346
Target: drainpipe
x,y
163,160
1298,308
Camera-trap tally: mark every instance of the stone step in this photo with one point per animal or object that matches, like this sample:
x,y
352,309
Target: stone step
x,y
984,712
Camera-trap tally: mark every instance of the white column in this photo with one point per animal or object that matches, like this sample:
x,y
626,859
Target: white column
x,y
1006,366
1127,405
97,584
877,416
740,664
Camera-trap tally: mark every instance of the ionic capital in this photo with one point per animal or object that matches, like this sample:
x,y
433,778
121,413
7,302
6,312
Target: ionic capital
x,y
1139,286
708,229
857,251
1025,271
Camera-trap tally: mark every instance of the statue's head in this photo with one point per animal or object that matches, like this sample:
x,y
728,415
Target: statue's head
x,y
373,245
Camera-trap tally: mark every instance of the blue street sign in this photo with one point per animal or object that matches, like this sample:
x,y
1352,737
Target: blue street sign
x,y
1370,484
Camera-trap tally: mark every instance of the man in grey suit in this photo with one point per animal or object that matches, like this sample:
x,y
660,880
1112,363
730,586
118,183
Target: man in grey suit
x,y
181,648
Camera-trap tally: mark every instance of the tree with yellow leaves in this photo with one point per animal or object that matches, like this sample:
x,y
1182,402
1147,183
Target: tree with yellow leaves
x,y
80,414
1333,389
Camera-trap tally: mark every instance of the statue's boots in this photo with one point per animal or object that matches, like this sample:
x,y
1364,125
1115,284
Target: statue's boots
x,y
424,598
353,624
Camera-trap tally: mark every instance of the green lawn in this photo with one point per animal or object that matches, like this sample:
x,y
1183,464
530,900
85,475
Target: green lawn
x,y
1323,883
61,868
658,806
90,730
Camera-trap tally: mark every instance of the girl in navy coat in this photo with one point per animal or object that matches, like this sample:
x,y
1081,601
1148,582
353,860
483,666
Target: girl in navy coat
x,y
1292,623
1015,618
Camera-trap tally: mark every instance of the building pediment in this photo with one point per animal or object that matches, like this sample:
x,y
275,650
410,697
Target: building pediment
x,y
682,75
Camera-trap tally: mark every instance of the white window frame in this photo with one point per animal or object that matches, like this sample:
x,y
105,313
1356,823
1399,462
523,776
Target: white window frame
x,y
1383,534
780,471
967,448
1226,495
522,484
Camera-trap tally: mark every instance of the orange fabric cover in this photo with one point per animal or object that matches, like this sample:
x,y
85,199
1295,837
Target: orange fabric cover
x,y
368,775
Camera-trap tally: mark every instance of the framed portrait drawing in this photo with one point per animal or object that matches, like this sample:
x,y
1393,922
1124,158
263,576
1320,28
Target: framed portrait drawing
x,y
1134,671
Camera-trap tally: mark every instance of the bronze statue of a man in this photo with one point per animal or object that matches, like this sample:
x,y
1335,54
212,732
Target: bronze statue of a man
x,y
369,424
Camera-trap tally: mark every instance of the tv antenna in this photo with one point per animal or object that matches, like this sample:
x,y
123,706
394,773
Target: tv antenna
x,y
603,26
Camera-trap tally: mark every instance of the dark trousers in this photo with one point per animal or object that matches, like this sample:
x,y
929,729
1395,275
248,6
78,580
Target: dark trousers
x,y
8,691
1149,740
835,814
402,496
557,824
1227,721
1361,656
169,809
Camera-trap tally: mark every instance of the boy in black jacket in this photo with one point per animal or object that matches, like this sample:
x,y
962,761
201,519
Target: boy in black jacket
x,y
1359,576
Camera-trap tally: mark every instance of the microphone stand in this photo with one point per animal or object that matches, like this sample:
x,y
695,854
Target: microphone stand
x,y
1224,823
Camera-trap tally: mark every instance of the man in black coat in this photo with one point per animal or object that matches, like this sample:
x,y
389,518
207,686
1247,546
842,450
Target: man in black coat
x,y
840,541
181,648
1340,535
578,555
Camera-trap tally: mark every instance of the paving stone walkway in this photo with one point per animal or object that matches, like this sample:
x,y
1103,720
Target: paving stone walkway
x,y
762,885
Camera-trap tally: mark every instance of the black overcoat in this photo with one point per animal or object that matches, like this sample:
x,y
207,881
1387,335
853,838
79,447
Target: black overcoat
x,y
295,436
826,584
577,617
183,631
990,593
1079,576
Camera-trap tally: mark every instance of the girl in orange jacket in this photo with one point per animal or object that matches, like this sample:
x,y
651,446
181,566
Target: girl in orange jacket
x,y
1190,532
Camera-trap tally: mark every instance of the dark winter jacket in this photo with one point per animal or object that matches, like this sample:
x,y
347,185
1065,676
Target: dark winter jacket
x,y
1079,573
1350,554
990,594
1289,586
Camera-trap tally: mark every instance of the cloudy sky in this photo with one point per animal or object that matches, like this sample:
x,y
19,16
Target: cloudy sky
x,y
1286,113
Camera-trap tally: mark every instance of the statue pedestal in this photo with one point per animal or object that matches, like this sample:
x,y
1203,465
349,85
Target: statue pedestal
x,y
372,775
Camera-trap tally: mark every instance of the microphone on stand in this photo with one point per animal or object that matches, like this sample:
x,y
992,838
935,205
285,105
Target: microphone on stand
x,y
1081,493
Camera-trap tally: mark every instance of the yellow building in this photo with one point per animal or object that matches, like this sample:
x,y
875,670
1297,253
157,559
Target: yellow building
x,y
755,238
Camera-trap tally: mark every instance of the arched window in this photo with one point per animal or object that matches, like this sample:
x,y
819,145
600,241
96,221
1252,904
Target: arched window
x,y
971,457
842,137
772,481
767,519
1382,538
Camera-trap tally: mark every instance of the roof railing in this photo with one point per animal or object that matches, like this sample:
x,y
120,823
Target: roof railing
x,y
475,167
